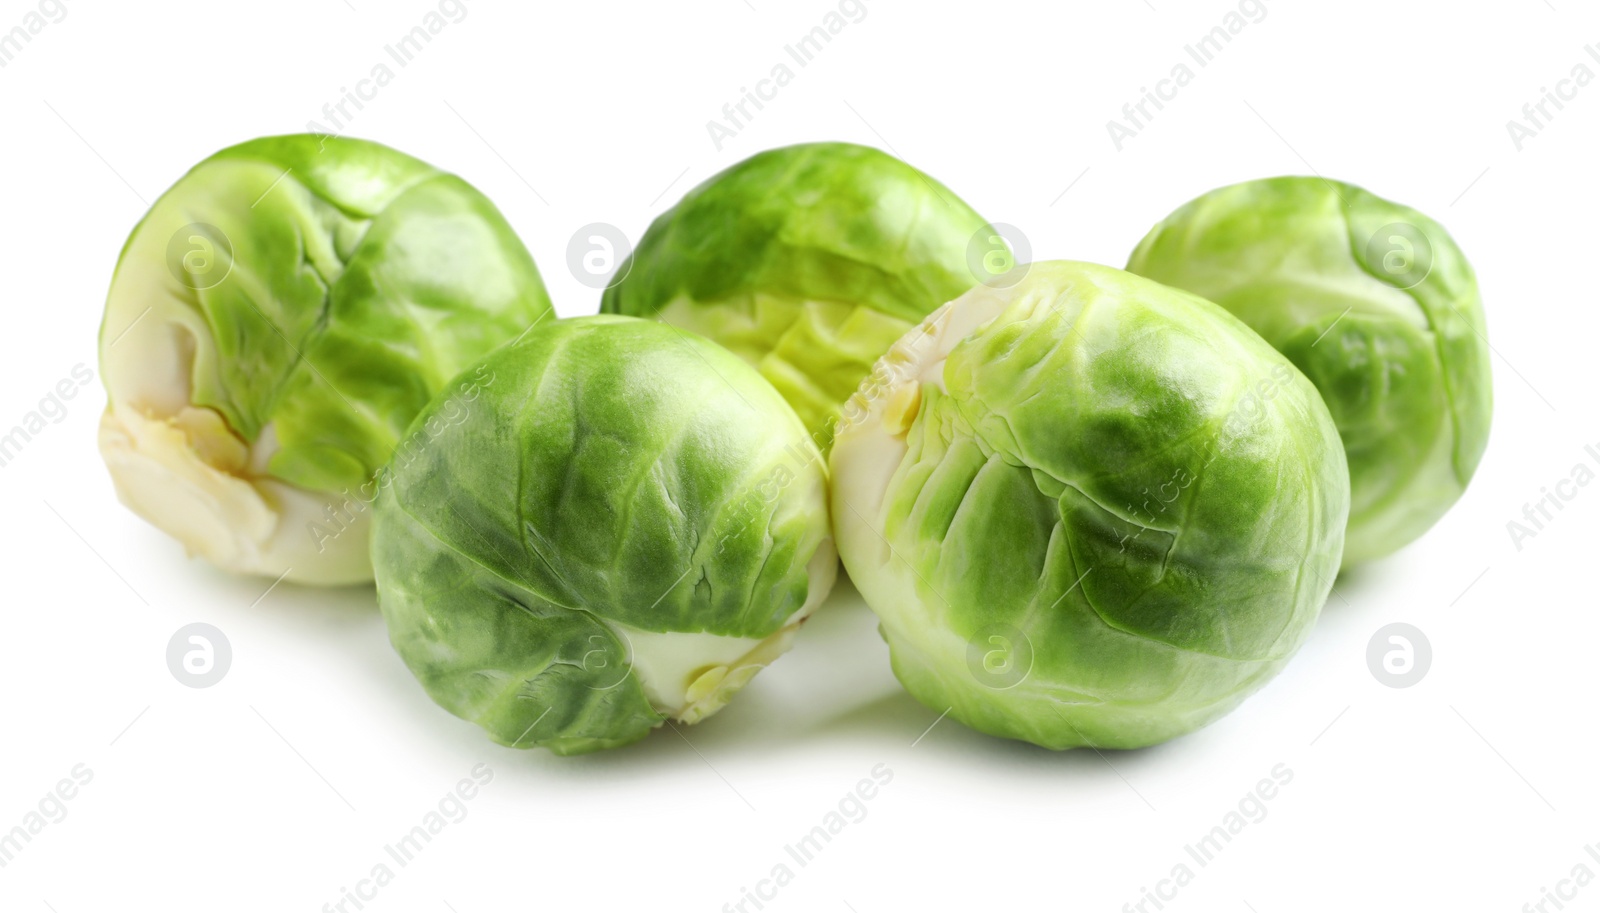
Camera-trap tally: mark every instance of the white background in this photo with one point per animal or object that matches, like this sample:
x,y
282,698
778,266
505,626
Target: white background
x,y
281,785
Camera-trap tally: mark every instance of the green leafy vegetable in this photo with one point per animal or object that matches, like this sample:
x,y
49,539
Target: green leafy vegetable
x,y
617,523
1376,304
1088,509
275,322
807,261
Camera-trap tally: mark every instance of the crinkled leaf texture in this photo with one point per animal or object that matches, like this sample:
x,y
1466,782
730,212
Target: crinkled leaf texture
x,y
1088,509
808,261
610,523
275,321
1376,304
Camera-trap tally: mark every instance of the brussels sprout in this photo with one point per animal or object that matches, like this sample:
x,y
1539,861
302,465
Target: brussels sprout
x,y
1377,305
618,523
807,261
1088,509
274,323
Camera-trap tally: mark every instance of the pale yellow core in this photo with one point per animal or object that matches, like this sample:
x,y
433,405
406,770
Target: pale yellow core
x,y
690,676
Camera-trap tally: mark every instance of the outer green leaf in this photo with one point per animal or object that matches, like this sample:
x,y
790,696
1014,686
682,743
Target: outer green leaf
x,y
808,261
1088,509
1377,305
608,523
275,321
